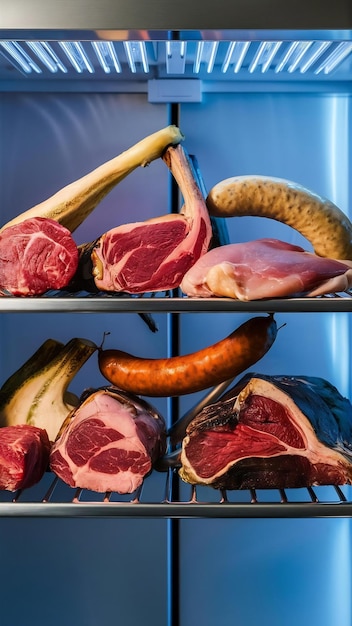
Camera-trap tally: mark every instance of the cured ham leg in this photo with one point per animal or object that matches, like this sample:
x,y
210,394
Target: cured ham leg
x,y
154,255
265,268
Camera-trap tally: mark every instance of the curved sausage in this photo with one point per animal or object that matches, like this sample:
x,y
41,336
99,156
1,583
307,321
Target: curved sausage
x,y
320,221
180,375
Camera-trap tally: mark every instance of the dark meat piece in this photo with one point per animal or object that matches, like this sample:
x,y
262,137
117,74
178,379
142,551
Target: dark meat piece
x,y
110,443
24,456
271,432
36,255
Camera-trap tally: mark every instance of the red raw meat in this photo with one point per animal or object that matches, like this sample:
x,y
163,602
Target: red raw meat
x,y
24,456
36,255
271,432
154,255
265,268
110,443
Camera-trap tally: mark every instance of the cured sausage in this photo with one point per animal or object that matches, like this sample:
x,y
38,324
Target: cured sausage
x,y
320,221
180,375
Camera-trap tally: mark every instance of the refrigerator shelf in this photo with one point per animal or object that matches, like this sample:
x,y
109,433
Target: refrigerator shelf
x,y
52,498
110,304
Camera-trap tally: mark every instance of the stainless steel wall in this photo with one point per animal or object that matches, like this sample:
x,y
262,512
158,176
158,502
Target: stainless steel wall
x,y
64,571
273,571
233,571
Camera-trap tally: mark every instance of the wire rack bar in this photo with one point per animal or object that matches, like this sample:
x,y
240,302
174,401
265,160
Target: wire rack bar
x,y
280,503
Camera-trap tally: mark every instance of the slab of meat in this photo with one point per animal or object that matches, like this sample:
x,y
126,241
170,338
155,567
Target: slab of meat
x,y
24,456
36,255
265,268
154,255
110,443
271,432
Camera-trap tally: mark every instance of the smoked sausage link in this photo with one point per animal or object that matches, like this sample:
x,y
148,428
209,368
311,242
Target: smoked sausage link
x,y
180,375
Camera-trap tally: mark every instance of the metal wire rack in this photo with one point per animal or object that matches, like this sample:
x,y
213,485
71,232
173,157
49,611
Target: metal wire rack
x,y
158,497
102,303
52,498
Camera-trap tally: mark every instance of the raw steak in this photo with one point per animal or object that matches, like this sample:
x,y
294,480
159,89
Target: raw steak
x,y
265,268
24,456
110,443
154,255
271,432
36,255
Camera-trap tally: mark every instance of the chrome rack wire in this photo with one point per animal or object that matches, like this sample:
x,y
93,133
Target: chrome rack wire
x,y
52,498
333,303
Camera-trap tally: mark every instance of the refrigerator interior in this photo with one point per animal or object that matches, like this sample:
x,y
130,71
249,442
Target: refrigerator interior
x,y
54,128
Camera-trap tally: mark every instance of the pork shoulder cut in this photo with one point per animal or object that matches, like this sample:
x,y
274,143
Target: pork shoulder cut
x,y
271,432
109,443
36,255
154,255
265,268
24,456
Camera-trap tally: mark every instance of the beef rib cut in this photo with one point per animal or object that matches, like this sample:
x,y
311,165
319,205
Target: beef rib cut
x,y
154,255
271,432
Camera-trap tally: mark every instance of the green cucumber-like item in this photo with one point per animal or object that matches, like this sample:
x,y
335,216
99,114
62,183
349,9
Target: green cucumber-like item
x,y
36,393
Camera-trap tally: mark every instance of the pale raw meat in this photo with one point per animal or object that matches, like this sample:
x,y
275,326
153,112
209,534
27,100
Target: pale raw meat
x,y
154,255
110,443
24,456
265,268
36,255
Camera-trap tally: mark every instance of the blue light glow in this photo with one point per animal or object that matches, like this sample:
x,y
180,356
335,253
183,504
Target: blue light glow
x,y
136,53
23,59
205,53
264,55
47,56
75,53
340,568
338,324
335,58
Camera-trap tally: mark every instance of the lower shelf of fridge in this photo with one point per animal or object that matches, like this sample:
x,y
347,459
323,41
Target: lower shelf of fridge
x,y
164,496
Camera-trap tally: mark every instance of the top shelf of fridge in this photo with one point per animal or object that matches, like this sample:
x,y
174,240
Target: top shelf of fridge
x,y
221,62
176,15
132,45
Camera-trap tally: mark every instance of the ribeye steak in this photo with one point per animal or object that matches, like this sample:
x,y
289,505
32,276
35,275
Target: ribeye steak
x,y
36,255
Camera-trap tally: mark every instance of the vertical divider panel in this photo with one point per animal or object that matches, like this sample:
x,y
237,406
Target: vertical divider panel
x,y
173,335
